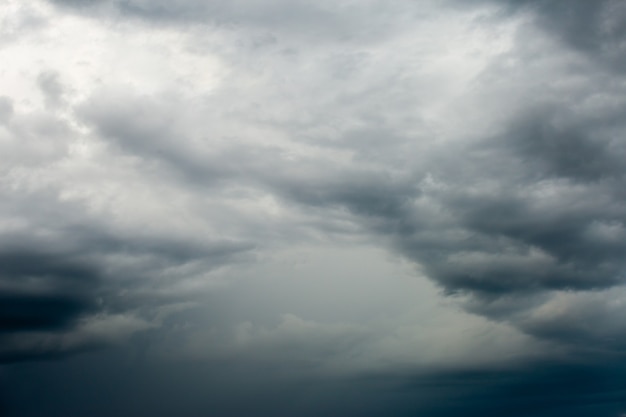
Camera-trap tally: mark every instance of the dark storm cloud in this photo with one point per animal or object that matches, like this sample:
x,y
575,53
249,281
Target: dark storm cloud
x,y
576,151
597,28
18,263
72,280
44,296
535,209
594,28
365,193
42,290
555,189
29,312
52,286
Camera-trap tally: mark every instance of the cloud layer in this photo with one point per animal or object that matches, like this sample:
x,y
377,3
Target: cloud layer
x,y
424,197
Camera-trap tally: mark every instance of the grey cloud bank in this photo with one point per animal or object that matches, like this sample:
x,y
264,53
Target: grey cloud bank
x,y
336,208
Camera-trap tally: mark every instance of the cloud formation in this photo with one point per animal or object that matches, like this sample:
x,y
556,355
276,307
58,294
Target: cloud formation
x,y
425,197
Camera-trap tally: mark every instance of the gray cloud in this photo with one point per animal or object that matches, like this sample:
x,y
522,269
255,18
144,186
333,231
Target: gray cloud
x,y
528,210
200,189
321,20
6,109
51,87
545,213
596,28
57,291
60,271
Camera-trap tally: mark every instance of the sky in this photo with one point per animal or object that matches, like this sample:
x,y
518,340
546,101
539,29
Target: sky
x,y
353,208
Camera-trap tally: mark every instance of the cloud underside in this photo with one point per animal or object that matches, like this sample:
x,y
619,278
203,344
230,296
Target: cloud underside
x,y
187,150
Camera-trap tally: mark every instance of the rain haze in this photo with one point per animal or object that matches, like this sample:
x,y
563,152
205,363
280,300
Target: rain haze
x,y
340,208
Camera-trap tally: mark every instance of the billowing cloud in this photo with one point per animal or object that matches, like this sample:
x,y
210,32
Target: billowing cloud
x,y
366,208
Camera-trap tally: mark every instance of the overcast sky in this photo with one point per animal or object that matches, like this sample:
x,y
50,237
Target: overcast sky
x,y
341,208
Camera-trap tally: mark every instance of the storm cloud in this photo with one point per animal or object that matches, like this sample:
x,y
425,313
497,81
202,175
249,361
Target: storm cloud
x,y
316,208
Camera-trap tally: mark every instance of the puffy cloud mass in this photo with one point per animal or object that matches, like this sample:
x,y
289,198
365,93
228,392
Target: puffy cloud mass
x,y
277,208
